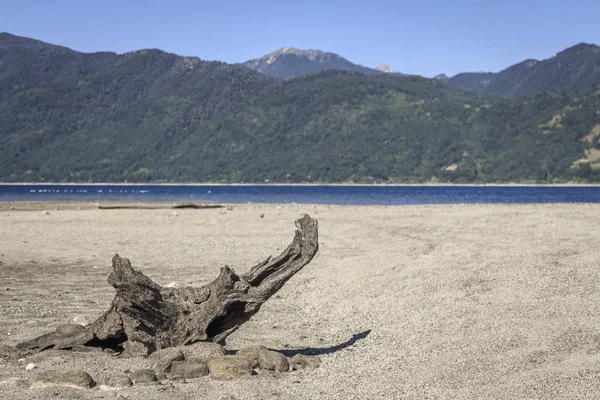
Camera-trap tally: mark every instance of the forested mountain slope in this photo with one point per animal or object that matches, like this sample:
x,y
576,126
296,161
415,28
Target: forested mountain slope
x,y
575,69
154,116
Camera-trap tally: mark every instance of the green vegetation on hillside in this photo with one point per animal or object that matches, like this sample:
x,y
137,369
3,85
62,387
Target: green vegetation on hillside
x,y
151,116
574,69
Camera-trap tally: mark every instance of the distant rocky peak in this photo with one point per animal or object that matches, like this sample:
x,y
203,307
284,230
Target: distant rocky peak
x,y
291,62
310,53
441,77
385,68
294,50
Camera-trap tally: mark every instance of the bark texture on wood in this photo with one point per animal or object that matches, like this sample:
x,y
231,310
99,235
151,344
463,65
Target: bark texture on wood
x,y
145,316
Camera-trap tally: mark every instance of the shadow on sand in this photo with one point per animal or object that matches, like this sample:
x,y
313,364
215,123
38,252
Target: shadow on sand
x,y
317,351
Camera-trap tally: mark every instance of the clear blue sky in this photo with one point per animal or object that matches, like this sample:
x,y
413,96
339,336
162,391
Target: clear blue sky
x,y
423,37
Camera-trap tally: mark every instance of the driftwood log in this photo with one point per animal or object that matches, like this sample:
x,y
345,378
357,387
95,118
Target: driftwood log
x,y
145,316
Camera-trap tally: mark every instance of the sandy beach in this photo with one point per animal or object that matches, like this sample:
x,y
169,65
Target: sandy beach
x,y
411,302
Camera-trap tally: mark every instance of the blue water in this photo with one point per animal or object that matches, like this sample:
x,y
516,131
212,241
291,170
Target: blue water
x,y
362,195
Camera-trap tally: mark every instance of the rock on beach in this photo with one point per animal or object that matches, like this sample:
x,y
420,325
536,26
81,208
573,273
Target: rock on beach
x,y
225,368
67,378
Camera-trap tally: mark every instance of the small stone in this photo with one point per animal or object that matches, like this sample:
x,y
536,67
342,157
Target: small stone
x,y
226,368
262,215
272,361
251,354
143,376
188,369
30,366
172,285
69,329
81,320
174,213
115,382
162,359
300,361
58,377
202,350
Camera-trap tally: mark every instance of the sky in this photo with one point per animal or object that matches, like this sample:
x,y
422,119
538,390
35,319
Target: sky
x,y
424,37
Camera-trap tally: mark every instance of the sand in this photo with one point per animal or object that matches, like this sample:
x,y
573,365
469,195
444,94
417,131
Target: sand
x,y
448,302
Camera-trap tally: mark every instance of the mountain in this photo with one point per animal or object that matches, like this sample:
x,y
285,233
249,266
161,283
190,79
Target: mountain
x,y
385,68
289,62
152,116
574,69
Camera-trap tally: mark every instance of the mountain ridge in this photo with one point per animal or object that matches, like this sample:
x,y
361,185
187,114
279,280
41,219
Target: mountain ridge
x,y
290,62
576,68
153,116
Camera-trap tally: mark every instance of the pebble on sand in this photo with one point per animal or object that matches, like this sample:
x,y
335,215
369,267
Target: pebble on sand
x,y
272,361
251,354
115,382
143,376
300,361
162,359
264,358
191,369
203,350
30,366
58,377
226,368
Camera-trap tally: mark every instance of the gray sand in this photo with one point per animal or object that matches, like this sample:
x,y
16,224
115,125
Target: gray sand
x,y
465,301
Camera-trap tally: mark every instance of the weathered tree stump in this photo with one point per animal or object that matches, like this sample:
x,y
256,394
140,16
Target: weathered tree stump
x,y
145,316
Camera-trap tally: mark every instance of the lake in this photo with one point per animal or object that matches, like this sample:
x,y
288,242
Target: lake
x,y
309,194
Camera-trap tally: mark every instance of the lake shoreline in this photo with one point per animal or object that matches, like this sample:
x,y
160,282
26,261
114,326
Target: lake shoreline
x,y
307,194
310,184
